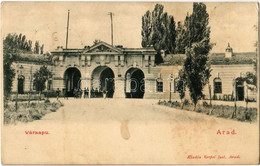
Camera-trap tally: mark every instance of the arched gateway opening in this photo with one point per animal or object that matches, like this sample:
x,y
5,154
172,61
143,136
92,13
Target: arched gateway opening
x,y
103,82
134,83
72,80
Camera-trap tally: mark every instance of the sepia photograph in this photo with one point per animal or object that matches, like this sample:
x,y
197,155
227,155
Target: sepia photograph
x,y
129,82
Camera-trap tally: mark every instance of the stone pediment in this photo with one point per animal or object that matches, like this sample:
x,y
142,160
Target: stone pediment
x,y
102,47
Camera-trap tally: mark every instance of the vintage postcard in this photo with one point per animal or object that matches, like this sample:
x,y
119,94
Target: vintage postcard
x,y
129,83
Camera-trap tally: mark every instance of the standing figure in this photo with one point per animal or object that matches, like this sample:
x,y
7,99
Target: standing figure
x,y
96,92
58,93
64,93
75,93
80,93
92,92
87,92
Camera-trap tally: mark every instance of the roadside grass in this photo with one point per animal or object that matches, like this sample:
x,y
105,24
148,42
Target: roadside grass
x,y
28,112
221,111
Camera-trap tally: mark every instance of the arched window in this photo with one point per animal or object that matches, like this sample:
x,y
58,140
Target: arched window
x,y
20,84
217,85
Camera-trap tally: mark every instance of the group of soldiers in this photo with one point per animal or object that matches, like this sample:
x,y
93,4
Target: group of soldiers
x,y
79,93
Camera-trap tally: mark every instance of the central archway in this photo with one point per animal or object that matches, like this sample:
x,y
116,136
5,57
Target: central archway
x,y
72,80
134,83
103,81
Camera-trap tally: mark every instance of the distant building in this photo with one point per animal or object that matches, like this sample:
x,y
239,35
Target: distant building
x,y
131,72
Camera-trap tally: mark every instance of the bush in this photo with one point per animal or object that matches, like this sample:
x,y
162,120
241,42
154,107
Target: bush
x,y
28,112
176,104
223,111
186,102
52,94
47,101
205,104
25,97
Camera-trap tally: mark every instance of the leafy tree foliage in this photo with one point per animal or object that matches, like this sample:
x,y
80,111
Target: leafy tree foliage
x,y
146,29
180,39
196,67
158,30
18,42
181,85
197,25
171,35
9,73
251,78
38,49
40,77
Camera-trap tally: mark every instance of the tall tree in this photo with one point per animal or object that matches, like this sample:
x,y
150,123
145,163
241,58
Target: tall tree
x,y
197,24
18,42
37,47
146,29
9,49
181,86
42,47
171,42
157,34
29,46
196,67
180,39
158,30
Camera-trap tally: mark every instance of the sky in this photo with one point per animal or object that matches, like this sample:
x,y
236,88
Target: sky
x,y
232,23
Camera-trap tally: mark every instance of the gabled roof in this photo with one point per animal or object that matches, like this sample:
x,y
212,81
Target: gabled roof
x,y
106,49
103,47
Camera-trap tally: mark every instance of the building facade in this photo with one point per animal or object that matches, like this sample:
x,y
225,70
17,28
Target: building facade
x,y
132,73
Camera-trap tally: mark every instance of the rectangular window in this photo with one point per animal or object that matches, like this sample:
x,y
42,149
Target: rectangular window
x,y
159,86
217,87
